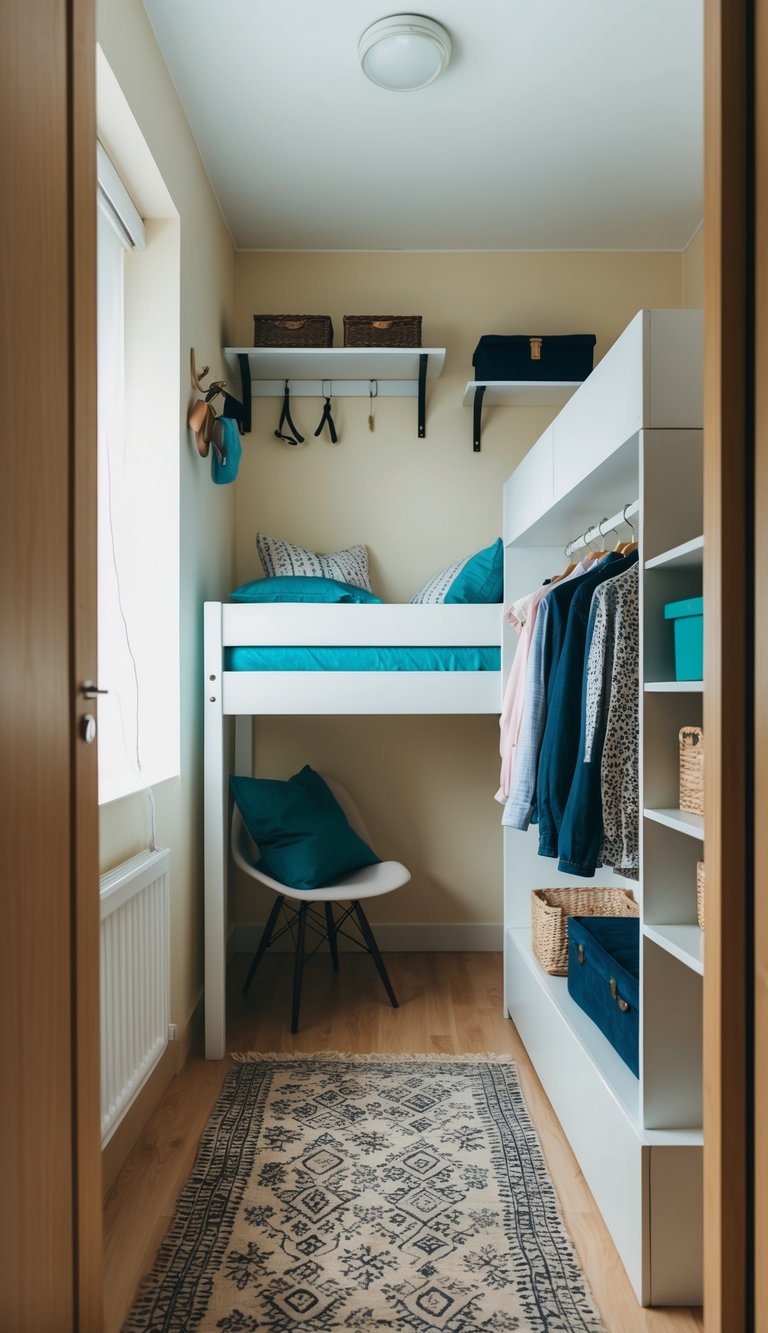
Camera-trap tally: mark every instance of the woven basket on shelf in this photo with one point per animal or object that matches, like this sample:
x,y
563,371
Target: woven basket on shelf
x,y
292,331
700,893
382,330
692,770
550,909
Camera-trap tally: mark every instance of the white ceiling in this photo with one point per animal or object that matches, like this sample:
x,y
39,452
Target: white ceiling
x,y
557,125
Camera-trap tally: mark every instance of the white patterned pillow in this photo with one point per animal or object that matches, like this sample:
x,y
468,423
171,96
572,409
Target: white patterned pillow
x,y
477,578
436,588
281,558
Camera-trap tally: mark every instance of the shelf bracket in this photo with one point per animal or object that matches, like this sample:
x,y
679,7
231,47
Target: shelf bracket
x,y
477,416
423,360
245,382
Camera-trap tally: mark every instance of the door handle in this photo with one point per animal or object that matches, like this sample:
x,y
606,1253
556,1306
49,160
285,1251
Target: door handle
x,y
91,691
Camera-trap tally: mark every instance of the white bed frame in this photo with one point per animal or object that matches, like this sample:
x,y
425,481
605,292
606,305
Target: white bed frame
x,y
248,694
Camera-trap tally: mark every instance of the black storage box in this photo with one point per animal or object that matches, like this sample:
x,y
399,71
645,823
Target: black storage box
x,y
519,357
603,978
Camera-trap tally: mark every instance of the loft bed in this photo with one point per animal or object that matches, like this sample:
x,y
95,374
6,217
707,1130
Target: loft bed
x,y
436,659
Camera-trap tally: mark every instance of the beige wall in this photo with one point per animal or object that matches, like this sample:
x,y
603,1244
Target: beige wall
x,y
693,272
425,785
206,511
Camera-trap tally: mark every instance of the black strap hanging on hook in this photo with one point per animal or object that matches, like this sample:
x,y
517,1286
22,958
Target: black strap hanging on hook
x,y
327,420
285,418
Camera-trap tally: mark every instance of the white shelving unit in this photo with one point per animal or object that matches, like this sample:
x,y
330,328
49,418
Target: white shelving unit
x,y
341,372
633,428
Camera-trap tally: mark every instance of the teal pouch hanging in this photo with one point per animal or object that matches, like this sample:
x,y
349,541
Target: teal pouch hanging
x,y
225,460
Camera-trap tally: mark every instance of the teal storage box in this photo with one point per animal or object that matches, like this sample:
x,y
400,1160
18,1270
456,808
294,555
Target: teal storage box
x,y
604,978
688,617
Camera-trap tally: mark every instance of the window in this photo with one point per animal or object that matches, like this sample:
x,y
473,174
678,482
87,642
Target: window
x,y
138,501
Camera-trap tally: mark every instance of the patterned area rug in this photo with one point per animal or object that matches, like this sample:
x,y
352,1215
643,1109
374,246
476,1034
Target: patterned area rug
x,y
368,1193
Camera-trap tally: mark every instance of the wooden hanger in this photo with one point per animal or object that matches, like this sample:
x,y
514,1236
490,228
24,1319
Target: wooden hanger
x,y
624,548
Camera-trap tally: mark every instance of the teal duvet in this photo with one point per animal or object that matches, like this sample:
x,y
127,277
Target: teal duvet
x,y
362,659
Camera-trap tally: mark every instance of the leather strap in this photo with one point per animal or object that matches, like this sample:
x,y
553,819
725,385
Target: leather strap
x,y
285,419
327,420
423,359
240,411
477,416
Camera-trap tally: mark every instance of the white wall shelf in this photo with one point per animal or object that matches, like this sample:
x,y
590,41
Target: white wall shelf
x,y
680,820
341,372
521,393
278,364
674,686
685,943
633,428
688,555
514,393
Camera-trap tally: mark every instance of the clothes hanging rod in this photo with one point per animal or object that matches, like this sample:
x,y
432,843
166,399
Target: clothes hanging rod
x,y
599,530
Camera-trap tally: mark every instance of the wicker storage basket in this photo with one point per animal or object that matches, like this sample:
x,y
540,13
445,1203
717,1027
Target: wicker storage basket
x,y
550,909
382,330
692,770
700,893
292,331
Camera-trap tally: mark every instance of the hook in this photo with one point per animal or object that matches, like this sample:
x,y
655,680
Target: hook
x,y
610,529
628,521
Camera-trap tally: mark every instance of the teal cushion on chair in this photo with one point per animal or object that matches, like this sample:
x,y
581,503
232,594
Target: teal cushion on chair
x,y
304,837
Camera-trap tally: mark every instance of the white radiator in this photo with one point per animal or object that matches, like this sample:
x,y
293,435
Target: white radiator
x,y
135,979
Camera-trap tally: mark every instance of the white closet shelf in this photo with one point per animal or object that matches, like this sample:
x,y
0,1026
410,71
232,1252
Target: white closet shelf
x,y
674,687
395,369
522,393
615,1076
685,943
689,555
681,820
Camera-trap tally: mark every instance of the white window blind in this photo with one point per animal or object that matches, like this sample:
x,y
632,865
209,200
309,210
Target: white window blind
x,y
138,734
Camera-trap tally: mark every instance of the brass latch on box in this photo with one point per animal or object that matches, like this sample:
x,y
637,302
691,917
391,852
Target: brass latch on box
x,y
622,1003
535,348
581,955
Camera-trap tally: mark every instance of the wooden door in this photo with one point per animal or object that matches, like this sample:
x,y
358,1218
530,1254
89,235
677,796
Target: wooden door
x,y
50,1204
729,563
760,606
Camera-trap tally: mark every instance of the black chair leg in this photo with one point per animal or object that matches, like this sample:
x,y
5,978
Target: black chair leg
x,y
264,942
298,968
373,949
330,926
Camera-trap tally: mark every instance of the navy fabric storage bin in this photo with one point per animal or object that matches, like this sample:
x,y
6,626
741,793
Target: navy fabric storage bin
x,y
519,357
603,978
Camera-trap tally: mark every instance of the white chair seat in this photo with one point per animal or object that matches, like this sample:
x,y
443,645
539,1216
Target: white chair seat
x,y
370,882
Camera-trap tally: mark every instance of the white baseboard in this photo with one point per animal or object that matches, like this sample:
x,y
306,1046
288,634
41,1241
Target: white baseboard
x,y
408,937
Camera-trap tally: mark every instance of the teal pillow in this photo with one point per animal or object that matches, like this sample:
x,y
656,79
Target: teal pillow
x,y
304,837
476,578
300,588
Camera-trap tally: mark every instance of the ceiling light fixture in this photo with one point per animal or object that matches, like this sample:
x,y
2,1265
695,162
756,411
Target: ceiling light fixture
x,y
404,52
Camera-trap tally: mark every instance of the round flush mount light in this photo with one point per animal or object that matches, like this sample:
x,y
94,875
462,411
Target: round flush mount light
x,y
404,52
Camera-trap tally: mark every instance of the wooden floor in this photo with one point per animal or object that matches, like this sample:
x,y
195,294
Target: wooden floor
x,y
449,1003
